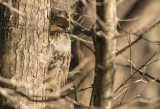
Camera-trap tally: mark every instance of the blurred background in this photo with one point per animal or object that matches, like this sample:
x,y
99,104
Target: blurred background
x,y
140,92
144,13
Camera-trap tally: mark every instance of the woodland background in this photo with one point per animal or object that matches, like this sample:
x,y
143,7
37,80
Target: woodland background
x,y
137,20
136,16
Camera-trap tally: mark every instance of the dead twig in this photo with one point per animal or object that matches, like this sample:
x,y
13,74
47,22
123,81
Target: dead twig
x,y
135,73
78,104
12,8
141,36
141,73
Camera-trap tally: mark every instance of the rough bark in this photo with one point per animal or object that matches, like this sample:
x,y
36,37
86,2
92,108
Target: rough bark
x,y
106,48
2,28
31,54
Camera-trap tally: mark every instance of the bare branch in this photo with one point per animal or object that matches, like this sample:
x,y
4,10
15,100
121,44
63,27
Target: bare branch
x,y
126,47
140,100
141,36
83,40
135,72
81,65
12,8
78,104
14,82
142,73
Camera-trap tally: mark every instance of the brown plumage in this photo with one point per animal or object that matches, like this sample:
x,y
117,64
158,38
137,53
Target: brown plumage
x,y
58,67
59,24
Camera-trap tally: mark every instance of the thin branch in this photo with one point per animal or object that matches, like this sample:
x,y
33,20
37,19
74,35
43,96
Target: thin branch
x,y
12,8
81,65
6,92
141,36
131,44
126,87
127,20
80,39
78,104
14,82
84,44
9,94
142,73
135,73
122,98
152,27
141,100
129,41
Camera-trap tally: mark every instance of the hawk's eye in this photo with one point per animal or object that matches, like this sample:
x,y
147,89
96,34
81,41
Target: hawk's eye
x,y
61,22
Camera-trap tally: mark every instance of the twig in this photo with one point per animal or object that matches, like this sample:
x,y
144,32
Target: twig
x,y
123,97
13,82
129,41
126,87
152,27
83,40
12,8
9,94
142,73
84,44
139,37
78,104
81,65
135,73
127,20
142,100
125,48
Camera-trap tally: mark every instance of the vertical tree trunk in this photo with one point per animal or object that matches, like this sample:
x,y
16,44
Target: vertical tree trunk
x,y
2,28
106,49
30,54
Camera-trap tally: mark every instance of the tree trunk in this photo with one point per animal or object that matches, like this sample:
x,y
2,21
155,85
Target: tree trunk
x,y
105,51
31,54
